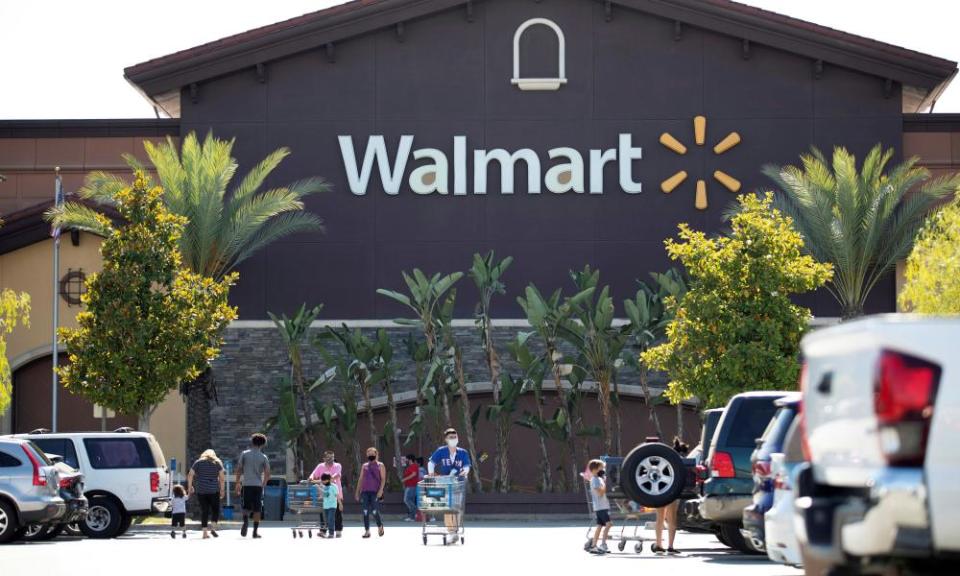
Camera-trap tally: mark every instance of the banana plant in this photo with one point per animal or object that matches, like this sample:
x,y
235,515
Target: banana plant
x,y
294,333
383,374
598,341
287,422
512,388
339,371
417,351
548,316
487,274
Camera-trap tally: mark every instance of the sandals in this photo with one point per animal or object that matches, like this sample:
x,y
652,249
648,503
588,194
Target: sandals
x,y
380,529
657,549
672,551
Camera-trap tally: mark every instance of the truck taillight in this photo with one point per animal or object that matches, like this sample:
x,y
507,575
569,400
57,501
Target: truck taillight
x,y
761,469
904,395
702,473
154,481
721,465
38,478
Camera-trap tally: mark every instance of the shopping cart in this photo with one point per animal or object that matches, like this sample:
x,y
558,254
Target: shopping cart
x,y
305,501
441,500
628,520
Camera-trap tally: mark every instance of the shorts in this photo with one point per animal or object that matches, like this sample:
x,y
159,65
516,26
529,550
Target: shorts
x,y
603,517
178,520
253,499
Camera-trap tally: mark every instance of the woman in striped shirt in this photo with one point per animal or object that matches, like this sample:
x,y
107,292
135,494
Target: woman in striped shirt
x,y
206,479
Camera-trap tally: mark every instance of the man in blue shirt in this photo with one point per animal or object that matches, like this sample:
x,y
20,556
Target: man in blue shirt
x,y
450,461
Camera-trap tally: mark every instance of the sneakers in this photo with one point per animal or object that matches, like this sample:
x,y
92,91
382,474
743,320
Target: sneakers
x,y
408,519
596,550
243,528
603,548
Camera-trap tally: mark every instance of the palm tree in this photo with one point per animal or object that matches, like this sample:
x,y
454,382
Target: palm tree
x,y
223,229
863,222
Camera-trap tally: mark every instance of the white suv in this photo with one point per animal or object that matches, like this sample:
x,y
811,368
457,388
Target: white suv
x,y
124,475
881,416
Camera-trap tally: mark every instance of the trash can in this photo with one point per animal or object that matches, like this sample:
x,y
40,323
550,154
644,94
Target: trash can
x,y
274,499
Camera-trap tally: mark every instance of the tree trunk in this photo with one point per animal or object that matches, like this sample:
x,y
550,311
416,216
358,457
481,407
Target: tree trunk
x,y
546,474
198,415
652,410
618,418
603,390
143,419
468,422
680,421
368,408
394,423
563,399
306,407
501,461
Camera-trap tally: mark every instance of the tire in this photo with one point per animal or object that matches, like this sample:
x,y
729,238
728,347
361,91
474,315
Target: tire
x,y
622,545
653,475
723,539
8,523
125,523
36,532
72,529
103,518
735,540
54,531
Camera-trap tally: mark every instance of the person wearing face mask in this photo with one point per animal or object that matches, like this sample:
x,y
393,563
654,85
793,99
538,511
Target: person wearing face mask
x,y
373,479
330,466
601,505
331,503
450,460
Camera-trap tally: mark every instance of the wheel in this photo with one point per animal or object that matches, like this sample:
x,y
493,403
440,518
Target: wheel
x,y
72,529
8,523
309,533
731,532
444,540
588,544
638,547
125,523
424,539
653,475
103,518
54,531
622,545
723,539
35,532
463,540
300,533
294,533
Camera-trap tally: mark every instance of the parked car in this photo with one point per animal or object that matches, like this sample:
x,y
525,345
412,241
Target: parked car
x,y
124,475
70,487
768,444
881,408
689,511
28,489
780,537
729,489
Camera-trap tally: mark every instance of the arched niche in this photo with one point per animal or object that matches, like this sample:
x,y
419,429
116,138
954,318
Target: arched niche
x,y
540,83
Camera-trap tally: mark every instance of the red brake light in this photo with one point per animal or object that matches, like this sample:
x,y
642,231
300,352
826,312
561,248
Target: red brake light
x,y
154,482
721,465
904,395
702,473
761,469
38,478
66,482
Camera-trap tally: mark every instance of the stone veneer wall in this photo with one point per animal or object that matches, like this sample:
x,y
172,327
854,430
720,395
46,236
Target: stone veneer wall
x,y
253,361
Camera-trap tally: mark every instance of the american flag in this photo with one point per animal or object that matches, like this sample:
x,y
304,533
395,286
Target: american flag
x,y
57,202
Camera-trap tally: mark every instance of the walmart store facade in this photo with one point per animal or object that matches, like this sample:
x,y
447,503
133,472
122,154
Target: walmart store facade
x,y
560,132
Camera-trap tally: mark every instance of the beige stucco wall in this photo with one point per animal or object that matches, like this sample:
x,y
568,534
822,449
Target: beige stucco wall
x,y
30,269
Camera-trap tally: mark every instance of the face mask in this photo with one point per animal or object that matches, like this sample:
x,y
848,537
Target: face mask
x,y
452,442
372,457
326,483
602,473
328,459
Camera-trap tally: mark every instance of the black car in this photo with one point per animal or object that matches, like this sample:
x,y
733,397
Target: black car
x,y
689,512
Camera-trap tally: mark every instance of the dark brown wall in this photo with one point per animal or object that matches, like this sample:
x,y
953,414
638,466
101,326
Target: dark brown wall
x,y
31,403
451,77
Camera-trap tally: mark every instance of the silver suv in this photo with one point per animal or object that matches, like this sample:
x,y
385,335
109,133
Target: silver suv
x,y
29,488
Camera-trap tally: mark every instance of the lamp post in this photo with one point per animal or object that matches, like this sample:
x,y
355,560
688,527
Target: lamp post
x,y
55,386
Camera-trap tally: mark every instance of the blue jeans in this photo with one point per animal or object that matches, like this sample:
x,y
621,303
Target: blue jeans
x,y
370,504
331,514
410,499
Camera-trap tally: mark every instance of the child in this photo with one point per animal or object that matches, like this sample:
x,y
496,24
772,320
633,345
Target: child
x,y
178,516
601,506
331,496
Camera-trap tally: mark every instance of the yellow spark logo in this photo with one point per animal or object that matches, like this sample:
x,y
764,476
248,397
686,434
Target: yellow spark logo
x,y
700,137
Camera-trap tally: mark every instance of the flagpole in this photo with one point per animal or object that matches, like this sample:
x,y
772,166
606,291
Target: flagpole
x,y
57,201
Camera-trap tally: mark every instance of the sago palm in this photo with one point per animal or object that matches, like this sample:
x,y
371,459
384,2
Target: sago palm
x,y
225,227
861,221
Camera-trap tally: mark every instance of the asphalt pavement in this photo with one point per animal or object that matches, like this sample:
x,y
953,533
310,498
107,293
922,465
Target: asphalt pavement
x,y
507,548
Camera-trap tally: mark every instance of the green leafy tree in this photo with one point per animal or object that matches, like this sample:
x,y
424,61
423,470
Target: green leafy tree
x,y
340,371
224,226
861,221
649,317
149,324
736,328
598,342
14,309
487,274
933,269
294,332
512,388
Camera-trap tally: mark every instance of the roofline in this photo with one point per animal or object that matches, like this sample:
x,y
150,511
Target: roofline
x,y
275,41
98,128
931,122
27,226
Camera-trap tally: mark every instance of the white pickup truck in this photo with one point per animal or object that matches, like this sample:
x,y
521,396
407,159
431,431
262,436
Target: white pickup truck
x,y
881,422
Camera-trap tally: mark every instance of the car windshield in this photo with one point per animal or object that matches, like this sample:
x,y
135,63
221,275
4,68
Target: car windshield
x,y
776,432
751,419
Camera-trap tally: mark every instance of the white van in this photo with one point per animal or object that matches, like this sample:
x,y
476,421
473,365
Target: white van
x,y
125,475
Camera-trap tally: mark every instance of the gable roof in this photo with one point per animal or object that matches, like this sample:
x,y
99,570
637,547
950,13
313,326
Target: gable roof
x,y
161,79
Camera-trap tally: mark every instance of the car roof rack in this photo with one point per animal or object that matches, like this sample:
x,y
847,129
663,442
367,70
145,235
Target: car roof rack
x,y
40,431
124,430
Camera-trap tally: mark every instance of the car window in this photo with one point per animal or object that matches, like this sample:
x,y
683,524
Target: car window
x,y
61,447
751,420
709,427
8,461
118,453
776,432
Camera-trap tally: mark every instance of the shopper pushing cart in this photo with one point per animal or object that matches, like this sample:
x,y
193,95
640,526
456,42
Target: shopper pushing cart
x,y
443,491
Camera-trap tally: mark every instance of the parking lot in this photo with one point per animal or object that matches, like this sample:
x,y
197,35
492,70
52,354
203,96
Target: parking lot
x,y
491,548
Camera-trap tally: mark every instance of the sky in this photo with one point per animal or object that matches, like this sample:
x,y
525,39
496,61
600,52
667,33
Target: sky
x,y
65,58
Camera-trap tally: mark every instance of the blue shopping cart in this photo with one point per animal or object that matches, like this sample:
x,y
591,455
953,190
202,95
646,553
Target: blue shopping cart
x,y
441,501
